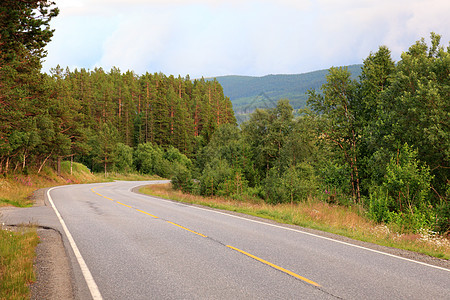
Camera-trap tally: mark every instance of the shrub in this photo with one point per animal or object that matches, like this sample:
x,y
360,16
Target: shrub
x,y
147,157
123,155
402,199
213,176
182,180
443,218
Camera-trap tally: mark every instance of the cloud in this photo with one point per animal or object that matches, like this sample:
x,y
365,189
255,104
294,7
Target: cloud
x,y
248,37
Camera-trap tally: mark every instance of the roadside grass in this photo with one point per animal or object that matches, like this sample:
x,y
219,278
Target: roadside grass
x,y
17,253
345,221
17,248
17,189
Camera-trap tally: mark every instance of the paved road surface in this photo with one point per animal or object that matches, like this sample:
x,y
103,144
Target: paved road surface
x,y
140,247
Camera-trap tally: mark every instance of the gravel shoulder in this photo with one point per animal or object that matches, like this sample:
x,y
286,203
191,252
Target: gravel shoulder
x,y
53,271
52,266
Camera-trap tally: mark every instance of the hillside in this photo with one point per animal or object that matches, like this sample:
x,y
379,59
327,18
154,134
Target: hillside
x,y
248,93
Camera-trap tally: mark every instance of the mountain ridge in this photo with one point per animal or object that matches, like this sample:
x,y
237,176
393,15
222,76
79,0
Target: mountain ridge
x,y
250,92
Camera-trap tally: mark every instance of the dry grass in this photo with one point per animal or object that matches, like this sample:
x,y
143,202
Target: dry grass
x,y
17,189
16,262
319,215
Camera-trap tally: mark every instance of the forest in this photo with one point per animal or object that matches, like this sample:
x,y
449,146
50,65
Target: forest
x,y
380,142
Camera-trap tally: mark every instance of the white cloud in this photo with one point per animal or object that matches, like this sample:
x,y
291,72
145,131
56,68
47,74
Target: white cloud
x,y
216,37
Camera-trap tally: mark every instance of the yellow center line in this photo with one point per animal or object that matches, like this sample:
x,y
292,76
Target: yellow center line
x,y
186,229
144,212
98,194
275,266
124,204
231,247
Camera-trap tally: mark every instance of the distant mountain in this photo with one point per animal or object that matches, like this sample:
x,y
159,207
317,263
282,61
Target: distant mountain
x,y
248,93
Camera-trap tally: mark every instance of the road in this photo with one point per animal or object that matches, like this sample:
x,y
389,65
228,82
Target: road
x,y
140,247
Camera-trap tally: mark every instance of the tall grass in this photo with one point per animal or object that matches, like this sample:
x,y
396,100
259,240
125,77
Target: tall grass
x,y
17,252
17,189
346,221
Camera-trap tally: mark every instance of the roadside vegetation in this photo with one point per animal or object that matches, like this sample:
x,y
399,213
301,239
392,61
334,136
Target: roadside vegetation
x,y
315,214
17,253
379,144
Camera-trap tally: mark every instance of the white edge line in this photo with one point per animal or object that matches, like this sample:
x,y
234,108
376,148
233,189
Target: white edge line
x,y
93,288
312,234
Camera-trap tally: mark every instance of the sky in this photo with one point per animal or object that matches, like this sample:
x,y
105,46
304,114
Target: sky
x,y
237,37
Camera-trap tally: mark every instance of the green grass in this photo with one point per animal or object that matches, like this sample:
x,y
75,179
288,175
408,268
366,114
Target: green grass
x,y
318,215
17,252
8,202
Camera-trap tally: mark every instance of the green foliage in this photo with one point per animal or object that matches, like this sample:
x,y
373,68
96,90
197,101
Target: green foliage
x,y
214,176
443,218
406,180
379,206
235,185
338,126
147,157
182,180
403,196
295,184
25,29
123,155
174,155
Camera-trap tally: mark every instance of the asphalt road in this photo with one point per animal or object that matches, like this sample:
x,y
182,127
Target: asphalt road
x,y
141,247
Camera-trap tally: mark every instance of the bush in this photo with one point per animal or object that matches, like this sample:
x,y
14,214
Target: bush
x,y
412,221
443,218
295,184
403,197
146,157
235,185
407,182
379,207
174,155
213,176
123,156
182,180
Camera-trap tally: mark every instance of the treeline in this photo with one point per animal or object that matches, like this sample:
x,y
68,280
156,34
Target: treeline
x,y
125,108
91,115
88,113
381,142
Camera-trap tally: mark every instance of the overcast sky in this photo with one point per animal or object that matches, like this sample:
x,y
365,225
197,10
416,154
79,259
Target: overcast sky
x,y
237,37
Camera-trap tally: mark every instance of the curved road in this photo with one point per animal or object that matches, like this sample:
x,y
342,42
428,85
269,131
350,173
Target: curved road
x,y
141,247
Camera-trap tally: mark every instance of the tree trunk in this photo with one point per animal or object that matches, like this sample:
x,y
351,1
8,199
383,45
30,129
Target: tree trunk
x,y
106,160
43,163
58,166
